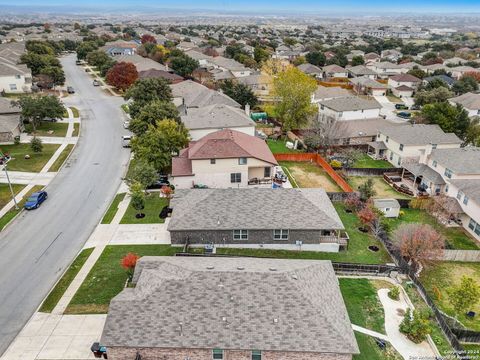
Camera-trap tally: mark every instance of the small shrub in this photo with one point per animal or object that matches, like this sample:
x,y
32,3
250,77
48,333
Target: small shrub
x,y
128,263
416,326
36,145
401,213
335,164
394,293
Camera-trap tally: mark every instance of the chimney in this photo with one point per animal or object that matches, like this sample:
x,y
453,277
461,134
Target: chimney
x,y
247,109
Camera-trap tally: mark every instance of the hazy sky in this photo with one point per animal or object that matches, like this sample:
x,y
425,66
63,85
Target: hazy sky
x,y
272,5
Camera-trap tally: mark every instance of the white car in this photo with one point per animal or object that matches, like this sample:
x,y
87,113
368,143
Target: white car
x,y
126,141
126,124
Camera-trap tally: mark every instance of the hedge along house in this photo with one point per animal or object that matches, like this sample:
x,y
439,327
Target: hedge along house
x,y
204,308
291,219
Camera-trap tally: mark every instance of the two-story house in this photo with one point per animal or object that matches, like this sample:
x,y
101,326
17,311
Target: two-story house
x,y
349,108
15,78
470,102
223,159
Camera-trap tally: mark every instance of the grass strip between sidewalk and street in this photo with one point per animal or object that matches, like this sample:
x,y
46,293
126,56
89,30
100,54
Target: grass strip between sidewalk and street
x,y
5,219
56,294
76,129
6,195
107,277
113,208
76,113
57,164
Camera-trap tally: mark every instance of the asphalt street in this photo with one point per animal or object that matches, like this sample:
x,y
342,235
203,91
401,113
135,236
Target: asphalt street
x,y
38,246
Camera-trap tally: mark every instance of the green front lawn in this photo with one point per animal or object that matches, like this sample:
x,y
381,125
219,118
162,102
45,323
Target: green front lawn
x,y
56,294
279,147
456,237
438,278
107,277
5,219
357,252
57,164
37,160
362,302
112,209
381,187
47,128
6,195
367,162
153,205
369,349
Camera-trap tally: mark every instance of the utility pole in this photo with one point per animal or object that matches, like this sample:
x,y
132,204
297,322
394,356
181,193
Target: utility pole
x,y
8,180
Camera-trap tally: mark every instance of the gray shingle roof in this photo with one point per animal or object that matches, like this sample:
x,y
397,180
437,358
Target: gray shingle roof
x,y
460,161
470,101
8,123
226,209
231,303
352,103
425,171
420,134
360,70
324,92
7,108
470,187
197,95
216,116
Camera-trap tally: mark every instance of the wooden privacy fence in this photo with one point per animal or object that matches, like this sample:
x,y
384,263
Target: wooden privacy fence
x,y
320,161
461,255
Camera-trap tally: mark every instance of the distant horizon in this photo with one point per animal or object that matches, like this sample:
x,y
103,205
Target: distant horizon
x,y
266,7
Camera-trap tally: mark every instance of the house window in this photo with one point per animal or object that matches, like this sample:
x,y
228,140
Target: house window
x,y
240,234
465,200
434,146
391,156
267,172
236,177
18,76
386,139
401,147
217,354
340,114
242,161
459,195
448,173
280,234
213,161
472,224
13,86
256,355
446,188
399,160
434,163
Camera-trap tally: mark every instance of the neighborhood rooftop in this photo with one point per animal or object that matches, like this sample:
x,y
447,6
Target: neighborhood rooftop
x,y
352,103
468,100
420,134
216,116
197,95
254,208
177,303
460,160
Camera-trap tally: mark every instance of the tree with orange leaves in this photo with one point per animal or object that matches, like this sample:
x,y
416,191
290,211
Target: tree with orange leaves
x,y
122,75
128,263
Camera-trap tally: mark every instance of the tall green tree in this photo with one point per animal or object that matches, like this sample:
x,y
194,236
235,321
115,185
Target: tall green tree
x,y
151,113
144,91
464,296
464,85
357,60
241,93
159,142
143,173
294,90
435,95
449,117
183,64
316,58
36,108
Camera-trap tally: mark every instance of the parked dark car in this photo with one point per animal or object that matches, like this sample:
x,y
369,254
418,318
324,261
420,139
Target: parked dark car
x,y
96,83
404,115
162,181
70,90
401,107
78,62
35,200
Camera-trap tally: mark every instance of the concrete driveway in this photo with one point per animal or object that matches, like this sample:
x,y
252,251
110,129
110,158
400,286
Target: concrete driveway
x,y
38,246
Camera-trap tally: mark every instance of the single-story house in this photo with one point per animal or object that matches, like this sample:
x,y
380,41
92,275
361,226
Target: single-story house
x,y
256,218
459,71
310,69
190,94
222,159
120,47
362,70
389,207
328,93
367,86
206,308
205,120
160,74
141,63
351,108
259,83
470,101
334,71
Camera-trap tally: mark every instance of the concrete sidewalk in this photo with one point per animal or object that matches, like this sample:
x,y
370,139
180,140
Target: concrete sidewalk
x,y
25,178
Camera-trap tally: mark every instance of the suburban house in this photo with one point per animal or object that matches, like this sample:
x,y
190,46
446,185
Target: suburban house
x,y
15,78
445,78
311,70
205,120
371,58
391,55
141,63
469,101
361,71
459,71
293,219
407,144
385,68
350,108
120,47
10,121
203,60
328,93
237,69
160,74
404,85
334,71
190,94
367,86
229,309
259,83
222,159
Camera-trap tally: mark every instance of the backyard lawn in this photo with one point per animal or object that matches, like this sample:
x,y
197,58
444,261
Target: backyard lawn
x,y
107,277
438,278
279,147
357,252
369,349
37,160
367,162
112,210
153,205
57,164
382,189
362,302
6,195
56,294
47,128
456,237
310,175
